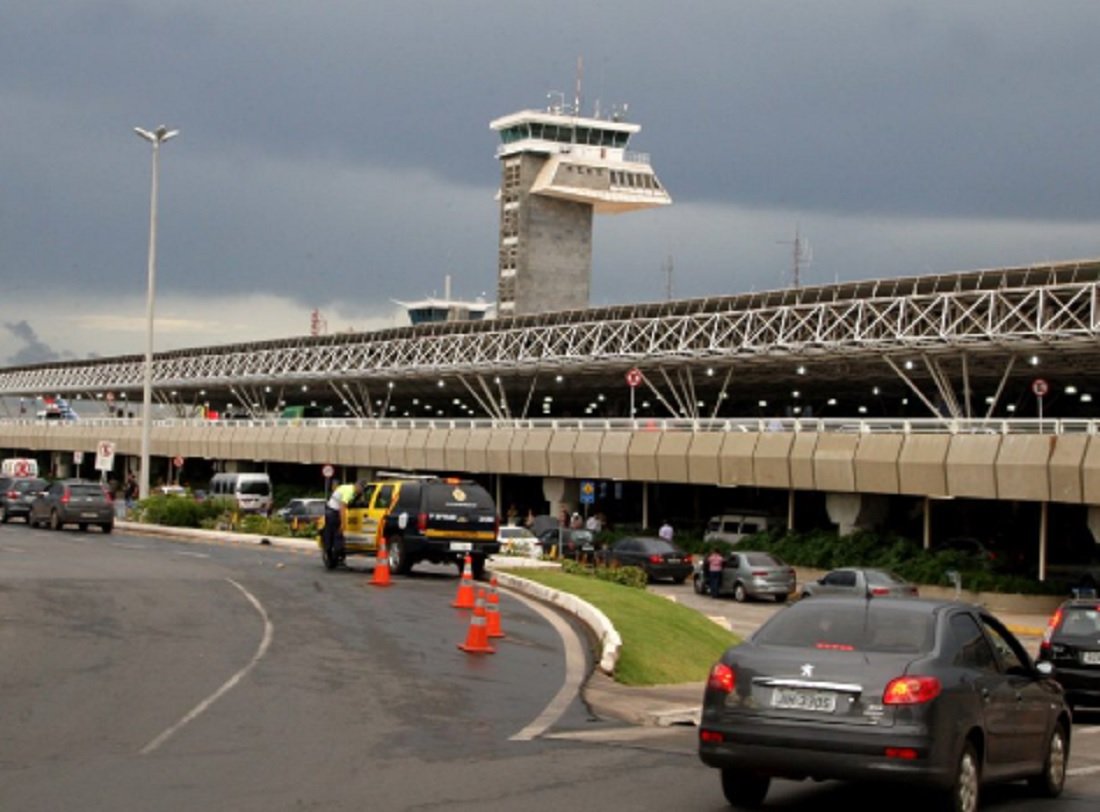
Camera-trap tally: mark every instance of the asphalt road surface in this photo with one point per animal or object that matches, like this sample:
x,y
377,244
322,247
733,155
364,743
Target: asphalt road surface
x,y
139,673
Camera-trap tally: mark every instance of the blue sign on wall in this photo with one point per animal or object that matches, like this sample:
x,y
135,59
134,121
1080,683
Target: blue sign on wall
x,y
588,492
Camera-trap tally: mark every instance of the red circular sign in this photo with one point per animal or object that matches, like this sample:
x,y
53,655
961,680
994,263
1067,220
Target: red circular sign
x,y
634,377
1039,387
178,462
328,471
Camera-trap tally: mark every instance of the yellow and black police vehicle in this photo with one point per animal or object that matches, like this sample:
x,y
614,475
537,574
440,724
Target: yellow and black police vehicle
x,y
423,518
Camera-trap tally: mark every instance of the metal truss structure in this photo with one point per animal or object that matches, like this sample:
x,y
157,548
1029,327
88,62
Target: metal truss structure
x,y
984,320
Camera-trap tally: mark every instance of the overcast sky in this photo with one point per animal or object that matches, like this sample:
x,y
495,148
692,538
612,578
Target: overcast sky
x,y
336,154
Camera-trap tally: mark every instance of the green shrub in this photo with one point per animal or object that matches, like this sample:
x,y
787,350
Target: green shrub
x,y
179,511
626,576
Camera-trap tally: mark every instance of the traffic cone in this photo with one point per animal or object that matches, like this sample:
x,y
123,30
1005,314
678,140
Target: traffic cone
x,y
492,610
477,638
381,576
465,597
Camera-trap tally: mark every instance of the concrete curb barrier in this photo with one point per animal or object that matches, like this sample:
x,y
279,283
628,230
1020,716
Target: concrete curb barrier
x,y
610,642
139,529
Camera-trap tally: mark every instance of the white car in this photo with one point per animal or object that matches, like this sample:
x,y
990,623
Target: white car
x,y
518,541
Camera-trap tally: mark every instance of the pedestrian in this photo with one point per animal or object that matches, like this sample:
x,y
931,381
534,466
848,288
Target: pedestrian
x,y
714,562
336,522
131,491
577,522
666,531
593,523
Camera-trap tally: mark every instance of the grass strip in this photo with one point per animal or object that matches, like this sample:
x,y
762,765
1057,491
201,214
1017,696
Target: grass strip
x,y
663,642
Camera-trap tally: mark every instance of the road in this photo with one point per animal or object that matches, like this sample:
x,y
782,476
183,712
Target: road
x,y
142,673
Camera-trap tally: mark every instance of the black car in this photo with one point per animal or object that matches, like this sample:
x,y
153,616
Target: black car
x,y
16,495
938,695
73,501
568,542
1071,644
657,557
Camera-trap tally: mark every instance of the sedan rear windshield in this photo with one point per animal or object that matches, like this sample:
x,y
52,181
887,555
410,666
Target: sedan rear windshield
x,y
763,560
86,491
870,627
1081,620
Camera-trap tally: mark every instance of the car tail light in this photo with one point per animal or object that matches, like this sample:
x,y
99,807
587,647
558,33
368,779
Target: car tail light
x,y
688,559
422,522
911,691
655,559
13,494
879,591
65,496
760,574
722,678
827,646
904,753
711,737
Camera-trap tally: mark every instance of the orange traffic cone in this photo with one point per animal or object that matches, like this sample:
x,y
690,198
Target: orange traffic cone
x,y
492,610
477,638
381,576
465,597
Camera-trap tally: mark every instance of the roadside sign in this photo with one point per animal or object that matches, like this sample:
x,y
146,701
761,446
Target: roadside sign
x,y
104,455
327,471
178,462
588,492
1039,387
78,457
634,377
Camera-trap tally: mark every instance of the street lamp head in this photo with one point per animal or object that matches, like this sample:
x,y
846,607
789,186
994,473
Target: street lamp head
x,y
159,135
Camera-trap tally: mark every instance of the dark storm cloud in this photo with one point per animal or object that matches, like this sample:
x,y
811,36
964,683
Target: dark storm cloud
x,y
342,149
32,350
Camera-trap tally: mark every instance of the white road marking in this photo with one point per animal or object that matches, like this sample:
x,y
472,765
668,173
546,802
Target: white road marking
x,y
574,673
193,555
124,546
1084,770
12,550
230,683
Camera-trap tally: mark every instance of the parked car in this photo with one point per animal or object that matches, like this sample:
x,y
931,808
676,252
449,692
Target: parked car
x,y
1071,644
73,501
866,582
568,542
299,513
16,495
657,557
516,540
936,695
747,574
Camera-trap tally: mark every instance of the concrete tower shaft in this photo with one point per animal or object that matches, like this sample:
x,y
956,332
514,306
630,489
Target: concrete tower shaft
x,y
557,170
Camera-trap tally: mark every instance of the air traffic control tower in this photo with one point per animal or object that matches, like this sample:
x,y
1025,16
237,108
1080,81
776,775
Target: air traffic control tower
x,y
557,169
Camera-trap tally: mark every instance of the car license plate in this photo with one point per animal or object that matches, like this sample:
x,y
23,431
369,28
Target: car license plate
x,y
461,546
795,699
1090,657
87,515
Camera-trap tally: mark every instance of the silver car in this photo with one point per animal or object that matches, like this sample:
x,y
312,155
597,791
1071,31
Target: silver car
x,y
750,575
861,582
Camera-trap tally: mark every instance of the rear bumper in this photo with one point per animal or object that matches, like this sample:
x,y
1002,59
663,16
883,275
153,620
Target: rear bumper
x,y
827,753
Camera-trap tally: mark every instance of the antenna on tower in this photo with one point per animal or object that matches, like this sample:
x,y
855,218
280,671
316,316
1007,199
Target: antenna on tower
x,y
802,255
577,93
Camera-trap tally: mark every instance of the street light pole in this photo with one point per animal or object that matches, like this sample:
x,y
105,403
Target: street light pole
x,y
156,138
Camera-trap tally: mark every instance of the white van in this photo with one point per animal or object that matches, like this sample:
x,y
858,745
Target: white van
x,y
19,467
251,491
733,527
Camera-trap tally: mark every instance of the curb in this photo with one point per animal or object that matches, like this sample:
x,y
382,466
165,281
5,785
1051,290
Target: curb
x,y
610,642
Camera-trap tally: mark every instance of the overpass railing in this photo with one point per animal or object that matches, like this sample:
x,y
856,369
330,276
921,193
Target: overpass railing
x,y
742,424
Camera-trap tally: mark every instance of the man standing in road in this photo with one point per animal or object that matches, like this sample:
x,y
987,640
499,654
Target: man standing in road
x,y
336,522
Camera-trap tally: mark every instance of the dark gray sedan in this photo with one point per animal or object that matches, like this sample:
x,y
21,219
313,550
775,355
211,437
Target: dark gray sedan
x,y
657,557
750,575
936,695
855,581
73,501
